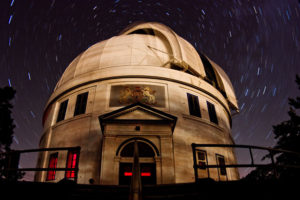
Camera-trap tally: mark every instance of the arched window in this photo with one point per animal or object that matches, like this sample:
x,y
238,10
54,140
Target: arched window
x,y
144,150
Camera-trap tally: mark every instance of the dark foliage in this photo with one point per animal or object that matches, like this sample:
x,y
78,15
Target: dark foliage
x,y
6,122
287,134
6,132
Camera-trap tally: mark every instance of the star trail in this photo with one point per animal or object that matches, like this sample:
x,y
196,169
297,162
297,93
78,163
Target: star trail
x,y
256,42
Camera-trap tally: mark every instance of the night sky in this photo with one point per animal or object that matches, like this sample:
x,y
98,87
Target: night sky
x,y
256,42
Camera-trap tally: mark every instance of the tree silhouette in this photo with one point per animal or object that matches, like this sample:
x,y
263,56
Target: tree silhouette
x,y
6,121
6,130
287,134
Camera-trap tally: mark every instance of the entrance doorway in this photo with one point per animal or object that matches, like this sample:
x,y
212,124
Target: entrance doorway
x,y
147,164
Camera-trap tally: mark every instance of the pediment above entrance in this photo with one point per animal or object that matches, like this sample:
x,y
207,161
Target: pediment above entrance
x,y
137,113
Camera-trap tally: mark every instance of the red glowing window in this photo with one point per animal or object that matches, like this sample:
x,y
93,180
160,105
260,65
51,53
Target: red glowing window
x,y
52,165
72,163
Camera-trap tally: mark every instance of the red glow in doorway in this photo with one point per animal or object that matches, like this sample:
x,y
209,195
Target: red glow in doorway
x,y
142,174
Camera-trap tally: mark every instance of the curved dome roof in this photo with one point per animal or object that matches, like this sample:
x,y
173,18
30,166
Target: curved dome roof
x,y
147,44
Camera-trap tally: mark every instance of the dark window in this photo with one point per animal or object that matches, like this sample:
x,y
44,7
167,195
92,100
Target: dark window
x,y
144,150
201,155
221,163
201,158
62,111
81,104
212,113
194,105
52,164
72,162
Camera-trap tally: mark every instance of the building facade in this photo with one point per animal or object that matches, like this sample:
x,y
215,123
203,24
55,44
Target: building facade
x,y
147,85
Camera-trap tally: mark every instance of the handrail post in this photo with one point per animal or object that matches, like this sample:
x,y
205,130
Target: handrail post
x,y
251,155
207,169
195,163
77,164
12,164
136,184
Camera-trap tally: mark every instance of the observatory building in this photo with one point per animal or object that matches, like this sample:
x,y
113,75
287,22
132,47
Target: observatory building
x,y
146,85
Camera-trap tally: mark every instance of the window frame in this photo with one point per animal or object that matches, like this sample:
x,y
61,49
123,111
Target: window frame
x,y
203,172
145,150
201,160
212,113
52,173
63,106
194,105
220,169
81,103
72,163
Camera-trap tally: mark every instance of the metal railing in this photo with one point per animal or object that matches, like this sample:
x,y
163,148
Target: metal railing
x,y
12,159
272,153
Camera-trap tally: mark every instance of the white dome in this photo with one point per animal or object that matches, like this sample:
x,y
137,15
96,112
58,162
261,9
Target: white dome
x,y
146,44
